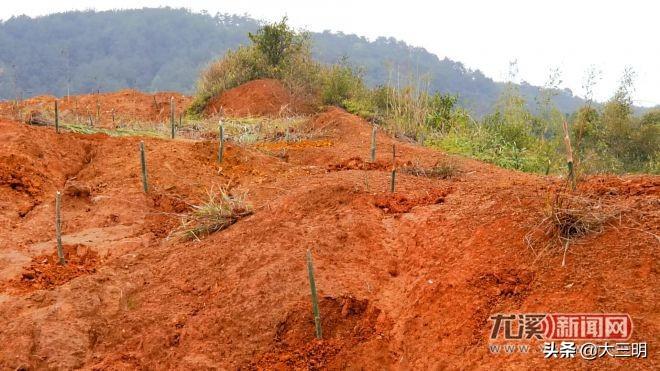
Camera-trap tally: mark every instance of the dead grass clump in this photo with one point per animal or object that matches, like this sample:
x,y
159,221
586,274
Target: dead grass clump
x,y
575,216
219,212
568,217
441,170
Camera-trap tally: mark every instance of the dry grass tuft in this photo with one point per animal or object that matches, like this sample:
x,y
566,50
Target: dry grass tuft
x,y
568,217
441,170
219,212
575,216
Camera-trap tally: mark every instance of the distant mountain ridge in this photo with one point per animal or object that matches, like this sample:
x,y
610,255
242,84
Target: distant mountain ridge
x,y
155,49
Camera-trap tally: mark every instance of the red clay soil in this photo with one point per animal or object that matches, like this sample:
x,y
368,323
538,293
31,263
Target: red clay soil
x,y
357,163
406,281
46,272
127,107
398,203
264,97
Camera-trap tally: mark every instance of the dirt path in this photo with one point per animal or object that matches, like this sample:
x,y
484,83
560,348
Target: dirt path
x,y
407,281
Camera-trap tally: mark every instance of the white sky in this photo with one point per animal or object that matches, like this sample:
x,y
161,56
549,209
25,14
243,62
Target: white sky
x,y
570,35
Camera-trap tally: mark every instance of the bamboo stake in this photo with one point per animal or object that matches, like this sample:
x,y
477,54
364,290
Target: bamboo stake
x,y
373,144
221,138
58,227
393,180
172,115
57,118
143,162
315,300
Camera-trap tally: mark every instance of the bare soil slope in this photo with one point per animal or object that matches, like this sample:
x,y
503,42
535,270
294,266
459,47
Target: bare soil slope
x,y
126,106
264,97
406,280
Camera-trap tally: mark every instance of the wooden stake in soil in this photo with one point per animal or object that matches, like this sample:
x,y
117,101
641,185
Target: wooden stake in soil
x,y
172,115
315,299
373,144
113,118
569,156
393,180
221,138
143,162
58,227
57,118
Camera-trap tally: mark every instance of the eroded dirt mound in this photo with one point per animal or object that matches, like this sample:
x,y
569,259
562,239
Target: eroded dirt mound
x,y
106,110
46,272
407,280
345,322
264,97
397,203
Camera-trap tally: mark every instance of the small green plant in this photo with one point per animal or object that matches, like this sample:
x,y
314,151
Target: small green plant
x,y
218,212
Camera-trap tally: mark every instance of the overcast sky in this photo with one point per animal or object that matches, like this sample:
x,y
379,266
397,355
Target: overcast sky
x,y
485,34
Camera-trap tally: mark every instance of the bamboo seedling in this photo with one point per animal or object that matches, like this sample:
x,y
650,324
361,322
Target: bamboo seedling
x,y
221,138
58,227
143,162
57,118
569,156
373,144
315,300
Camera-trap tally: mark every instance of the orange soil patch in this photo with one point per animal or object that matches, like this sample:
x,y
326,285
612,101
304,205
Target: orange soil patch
x,y
357,163
410,288
306,143
126,106
397,203
265,97
347,322
45,272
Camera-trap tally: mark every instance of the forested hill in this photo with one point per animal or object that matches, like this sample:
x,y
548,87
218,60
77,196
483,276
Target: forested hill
x,y
164,49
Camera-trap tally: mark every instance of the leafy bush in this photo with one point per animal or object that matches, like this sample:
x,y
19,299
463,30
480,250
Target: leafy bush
x,y
604,140
277,42
277,51
235,68
484,145
340,83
